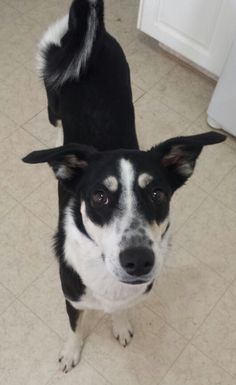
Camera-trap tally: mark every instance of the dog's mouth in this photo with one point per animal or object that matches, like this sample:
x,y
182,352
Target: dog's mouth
x,y
136,282
143,280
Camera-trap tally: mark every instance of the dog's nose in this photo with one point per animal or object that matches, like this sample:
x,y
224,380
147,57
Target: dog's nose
x,y
137,261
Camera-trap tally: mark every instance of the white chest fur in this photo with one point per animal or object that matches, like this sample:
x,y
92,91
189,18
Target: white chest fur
x,y
103,291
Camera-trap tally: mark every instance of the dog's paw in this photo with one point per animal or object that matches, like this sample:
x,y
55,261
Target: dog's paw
x,y
69,357
123,332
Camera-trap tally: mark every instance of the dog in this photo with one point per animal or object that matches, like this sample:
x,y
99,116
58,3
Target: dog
x,y
114,199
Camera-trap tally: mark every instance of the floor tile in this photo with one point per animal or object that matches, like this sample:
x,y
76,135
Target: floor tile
x,y
121,20
137,92
7,127
209,235
44,297
193,368
40,127
226,190
28,348
17,178
217,338
18,145
26,246
8,62
24,6
43,202
213,164
185,91
6,298
7,202
19,40
45,293
185,280
184,202
22,97
148,63
7,15
151,353
156,122
48,12
84,374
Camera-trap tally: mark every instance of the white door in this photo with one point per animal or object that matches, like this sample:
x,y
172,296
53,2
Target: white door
x,y
200,30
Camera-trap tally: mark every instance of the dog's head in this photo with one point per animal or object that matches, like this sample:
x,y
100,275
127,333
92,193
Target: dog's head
x,y
123,197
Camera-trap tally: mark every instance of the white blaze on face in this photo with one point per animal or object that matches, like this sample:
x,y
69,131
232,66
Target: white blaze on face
x,y
127,199
110,236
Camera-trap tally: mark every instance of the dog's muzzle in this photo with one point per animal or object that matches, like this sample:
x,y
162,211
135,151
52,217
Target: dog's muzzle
x,y
137,262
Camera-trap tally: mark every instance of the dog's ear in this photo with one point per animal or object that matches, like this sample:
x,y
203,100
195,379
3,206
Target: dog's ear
x,y
67,161
178,155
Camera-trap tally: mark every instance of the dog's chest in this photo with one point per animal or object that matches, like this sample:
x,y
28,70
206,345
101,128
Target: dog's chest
x,y
110,301
102,290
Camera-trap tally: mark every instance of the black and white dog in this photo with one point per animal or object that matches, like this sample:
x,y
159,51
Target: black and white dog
x,y
114,199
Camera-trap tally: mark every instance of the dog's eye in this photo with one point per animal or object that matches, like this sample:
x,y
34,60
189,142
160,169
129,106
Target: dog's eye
x,y
100,198
157,195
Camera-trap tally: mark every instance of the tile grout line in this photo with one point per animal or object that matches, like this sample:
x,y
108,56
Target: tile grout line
x,y
36,216
39,318
34,280
207,265
219,182
170,107
20,203
31,118
173,363
203,322
209,194
222,203
192,344
227,286
194,211
167,323
190,252
161,78
11,302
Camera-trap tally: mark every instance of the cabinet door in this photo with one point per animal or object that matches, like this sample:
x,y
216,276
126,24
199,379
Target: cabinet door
x,y
200,30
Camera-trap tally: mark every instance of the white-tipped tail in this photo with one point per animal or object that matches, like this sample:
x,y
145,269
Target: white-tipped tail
x,y
60,60
53,35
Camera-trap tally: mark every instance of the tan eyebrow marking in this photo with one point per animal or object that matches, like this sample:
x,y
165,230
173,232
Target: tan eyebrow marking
x,y
111,183
144,179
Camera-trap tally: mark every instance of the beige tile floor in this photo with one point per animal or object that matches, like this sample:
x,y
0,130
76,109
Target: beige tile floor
x,y
186,332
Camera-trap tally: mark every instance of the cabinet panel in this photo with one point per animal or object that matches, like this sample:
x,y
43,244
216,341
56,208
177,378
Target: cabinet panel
x,y
200,30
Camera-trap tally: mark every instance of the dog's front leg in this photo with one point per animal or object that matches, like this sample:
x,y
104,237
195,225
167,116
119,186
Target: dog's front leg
x,y
70,354
122,329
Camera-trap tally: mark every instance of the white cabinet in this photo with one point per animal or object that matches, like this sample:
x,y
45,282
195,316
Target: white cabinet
x,y
200,30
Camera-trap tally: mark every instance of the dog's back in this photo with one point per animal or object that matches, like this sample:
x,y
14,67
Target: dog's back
x,y
87,80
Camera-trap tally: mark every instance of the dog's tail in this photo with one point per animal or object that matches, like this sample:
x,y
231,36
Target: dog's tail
x,y
67,46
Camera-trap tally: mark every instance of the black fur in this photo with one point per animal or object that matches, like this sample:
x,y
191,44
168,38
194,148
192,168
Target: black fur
x,y
96,110
73,315
72,286
100,101
149,288
167,228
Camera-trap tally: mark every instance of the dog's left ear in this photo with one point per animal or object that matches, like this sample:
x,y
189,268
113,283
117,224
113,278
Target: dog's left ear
x,y
67,161
178,155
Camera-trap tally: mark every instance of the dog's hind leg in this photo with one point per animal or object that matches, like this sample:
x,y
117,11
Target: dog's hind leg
x,y
122,329
70,354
